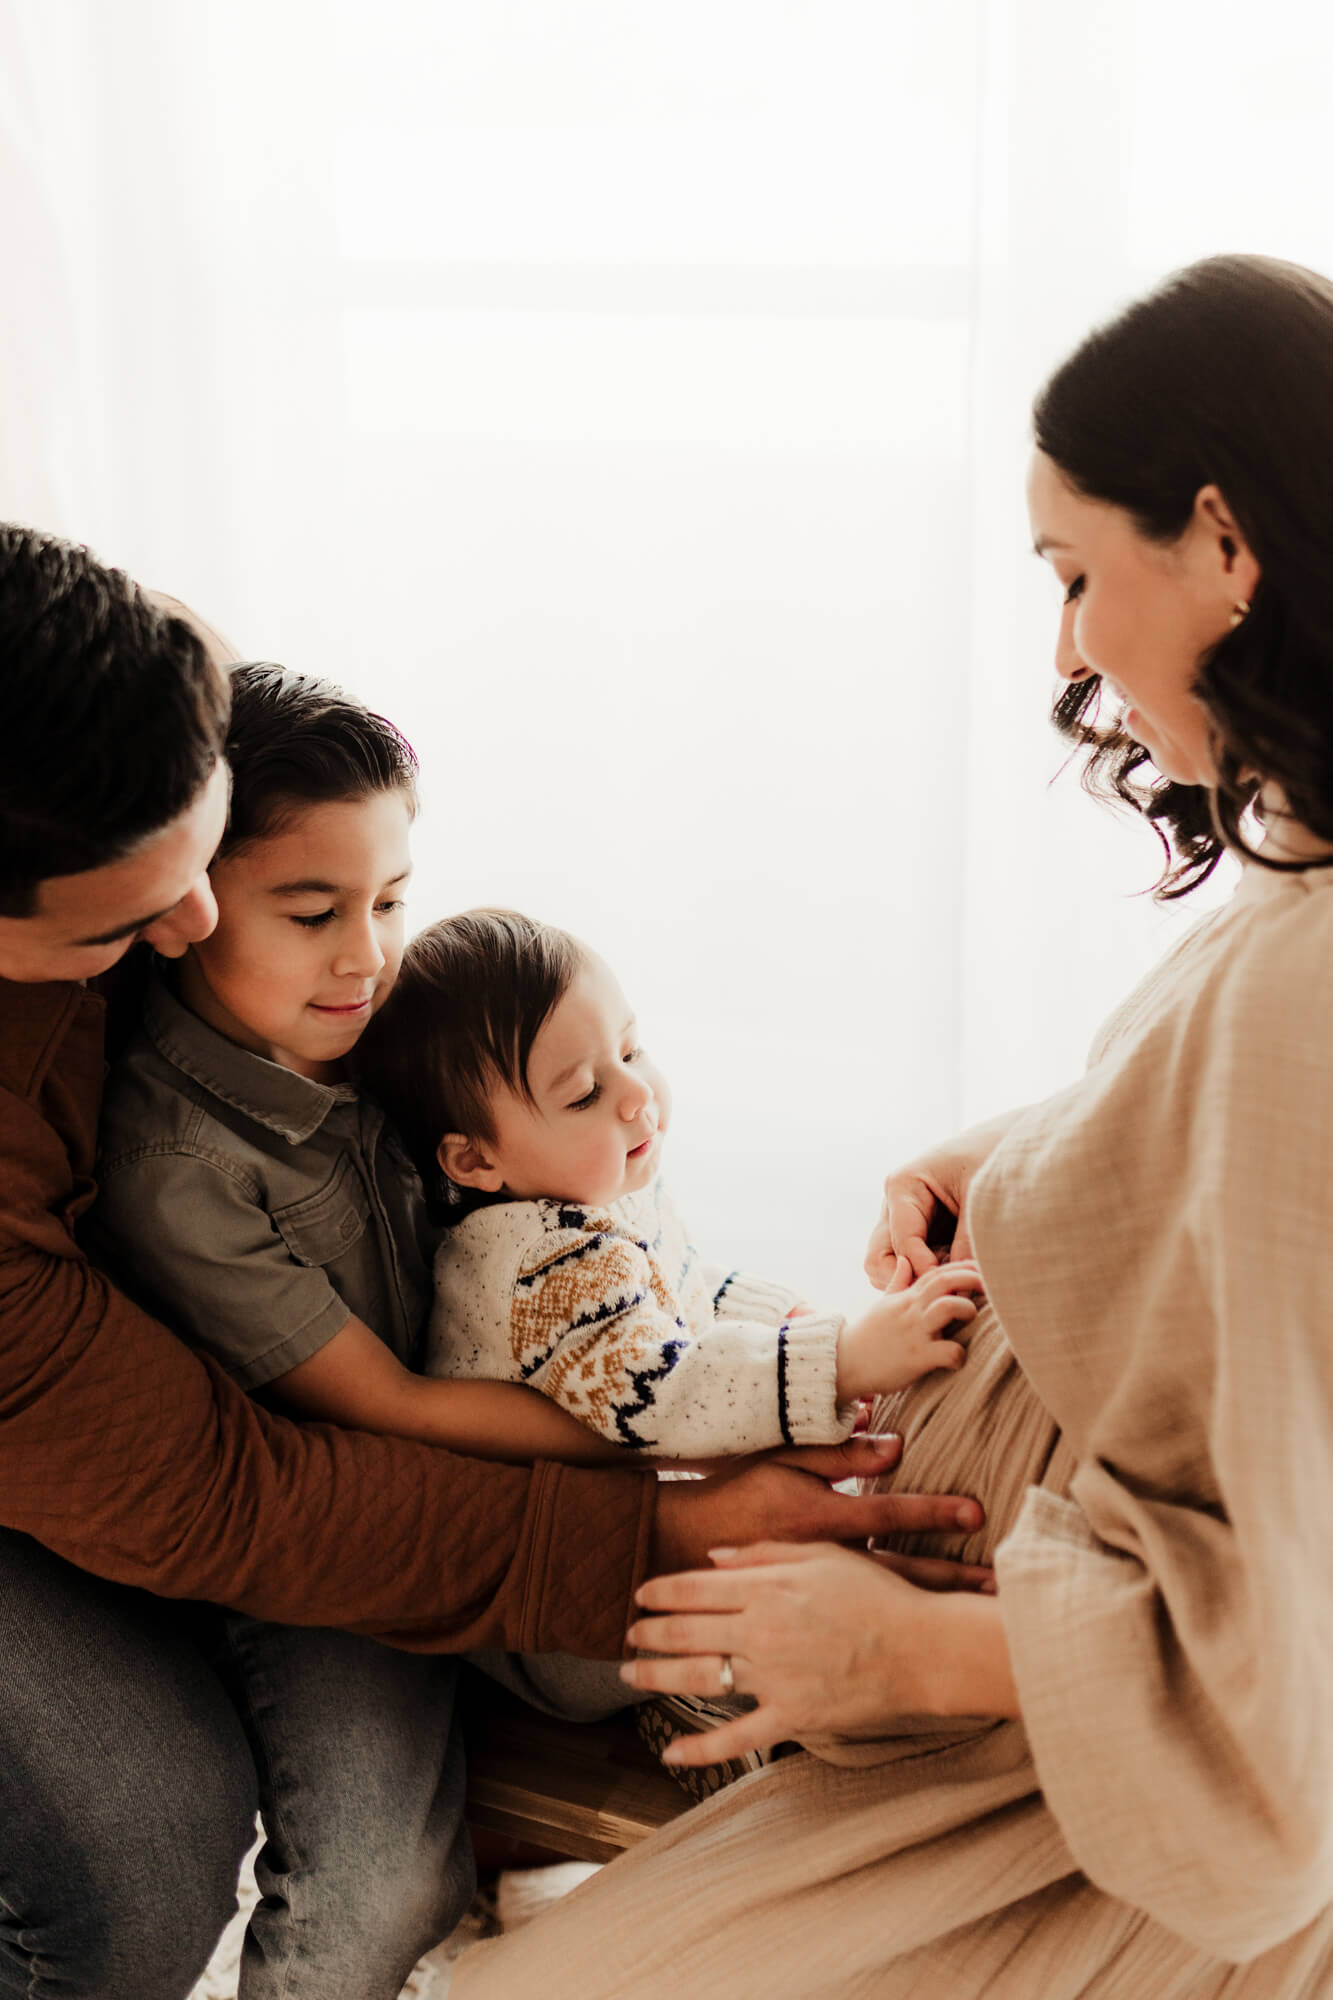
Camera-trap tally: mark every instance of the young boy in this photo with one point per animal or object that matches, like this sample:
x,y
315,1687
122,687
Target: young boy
x,y
250,1196
509,1060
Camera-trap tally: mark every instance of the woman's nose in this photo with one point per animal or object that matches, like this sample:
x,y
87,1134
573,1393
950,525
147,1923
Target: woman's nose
x,y
1069,664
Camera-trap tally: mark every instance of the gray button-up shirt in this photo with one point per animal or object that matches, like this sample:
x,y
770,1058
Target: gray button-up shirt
x,y
254,1210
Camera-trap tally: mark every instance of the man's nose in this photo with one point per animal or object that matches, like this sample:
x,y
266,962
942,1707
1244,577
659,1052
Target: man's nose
x,y
193,918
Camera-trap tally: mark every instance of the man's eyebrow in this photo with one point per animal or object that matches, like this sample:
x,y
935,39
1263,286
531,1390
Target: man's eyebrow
x,y
310,886
126,930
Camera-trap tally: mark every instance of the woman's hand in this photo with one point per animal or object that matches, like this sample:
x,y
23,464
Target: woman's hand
x,y
826,1641
924,1208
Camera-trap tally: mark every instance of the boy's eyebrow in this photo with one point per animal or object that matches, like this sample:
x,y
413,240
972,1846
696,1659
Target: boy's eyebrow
x,y
311,887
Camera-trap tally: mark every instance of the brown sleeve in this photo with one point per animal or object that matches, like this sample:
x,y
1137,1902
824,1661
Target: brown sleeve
x,y
128,1454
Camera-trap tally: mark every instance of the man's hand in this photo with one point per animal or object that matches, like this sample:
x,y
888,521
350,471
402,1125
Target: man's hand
x,y
789,1497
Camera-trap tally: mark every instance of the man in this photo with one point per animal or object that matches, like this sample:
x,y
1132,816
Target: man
x,y
133,1471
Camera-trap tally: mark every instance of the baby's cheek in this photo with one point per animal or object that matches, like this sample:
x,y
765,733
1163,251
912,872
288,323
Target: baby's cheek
x,y
662,1092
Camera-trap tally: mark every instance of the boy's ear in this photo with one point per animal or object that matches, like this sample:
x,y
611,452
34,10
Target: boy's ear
x,y
468,1163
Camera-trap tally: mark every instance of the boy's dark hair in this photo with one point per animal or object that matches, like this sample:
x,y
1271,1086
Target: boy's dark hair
x,y
469,1002
296,742
112,715
1223,374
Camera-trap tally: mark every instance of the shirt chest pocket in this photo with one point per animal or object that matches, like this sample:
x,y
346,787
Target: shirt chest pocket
x,y
321,1228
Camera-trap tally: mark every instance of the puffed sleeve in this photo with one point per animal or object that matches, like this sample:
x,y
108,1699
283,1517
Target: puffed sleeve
x,y
1170,1621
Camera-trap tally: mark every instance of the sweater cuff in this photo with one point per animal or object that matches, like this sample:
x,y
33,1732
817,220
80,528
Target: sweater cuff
x,y
808,1410
738,1295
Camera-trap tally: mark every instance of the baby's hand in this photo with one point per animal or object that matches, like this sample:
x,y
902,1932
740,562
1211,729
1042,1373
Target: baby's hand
x,y
898,1339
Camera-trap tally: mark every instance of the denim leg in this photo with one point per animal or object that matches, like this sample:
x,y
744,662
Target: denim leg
x,y
127,1792
366,1862
559,1684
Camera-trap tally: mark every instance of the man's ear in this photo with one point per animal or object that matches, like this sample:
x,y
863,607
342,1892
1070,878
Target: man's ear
x,y
1238,567
468,1163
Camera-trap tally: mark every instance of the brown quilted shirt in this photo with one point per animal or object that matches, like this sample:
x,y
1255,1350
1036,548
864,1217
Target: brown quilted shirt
x,y
132,1456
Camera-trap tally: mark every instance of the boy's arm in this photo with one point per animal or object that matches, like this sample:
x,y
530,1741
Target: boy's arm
x,y
593,1328
355,1380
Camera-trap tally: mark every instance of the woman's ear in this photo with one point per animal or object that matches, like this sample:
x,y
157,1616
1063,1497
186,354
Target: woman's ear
x,y
1225,548
468,1163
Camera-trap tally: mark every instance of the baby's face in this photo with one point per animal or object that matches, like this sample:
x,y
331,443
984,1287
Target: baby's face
x,y
595,1127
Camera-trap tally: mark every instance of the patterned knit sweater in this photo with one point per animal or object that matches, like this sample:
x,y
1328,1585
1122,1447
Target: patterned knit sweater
x,y
612,1313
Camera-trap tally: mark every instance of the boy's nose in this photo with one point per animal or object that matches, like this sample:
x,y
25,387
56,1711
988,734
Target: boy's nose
x,y
361,955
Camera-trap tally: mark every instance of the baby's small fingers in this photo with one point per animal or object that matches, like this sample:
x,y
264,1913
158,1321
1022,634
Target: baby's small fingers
x,y
947,1354
950,1278
948,1312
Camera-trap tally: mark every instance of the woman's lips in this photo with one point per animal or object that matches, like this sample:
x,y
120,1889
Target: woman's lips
x,y
351,1007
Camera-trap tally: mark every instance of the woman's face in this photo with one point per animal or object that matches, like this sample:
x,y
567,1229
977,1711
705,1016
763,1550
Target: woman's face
x,y
1141,614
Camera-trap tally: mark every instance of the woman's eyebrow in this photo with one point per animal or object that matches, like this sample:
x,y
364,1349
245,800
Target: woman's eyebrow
x,y
1044,542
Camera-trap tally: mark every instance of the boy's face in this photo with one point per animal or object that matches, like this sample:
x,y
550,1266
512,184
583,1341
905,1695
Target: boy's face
x,y
309,933
595,1128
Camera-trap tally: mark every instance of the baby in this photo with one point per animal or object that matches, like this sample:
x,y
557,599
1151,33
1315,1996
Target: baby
x,y
509,1060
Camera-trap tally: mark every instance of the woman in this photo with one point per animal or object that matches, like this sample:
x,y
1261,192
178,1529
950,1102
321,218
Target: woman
x,y
1115,1777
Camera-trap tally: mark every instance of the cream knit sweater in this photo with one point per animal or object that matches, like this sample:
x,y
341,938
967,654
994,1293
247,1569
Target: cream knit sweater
x,y
611,1312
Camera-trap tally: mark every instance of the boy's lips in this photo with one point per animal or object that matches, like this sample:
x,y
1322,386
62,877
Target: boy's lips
x,y
637,1152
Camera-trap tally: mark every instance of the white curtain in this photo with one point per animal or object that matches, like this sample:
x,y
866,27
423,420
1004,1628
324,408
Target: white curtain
x,y
630,399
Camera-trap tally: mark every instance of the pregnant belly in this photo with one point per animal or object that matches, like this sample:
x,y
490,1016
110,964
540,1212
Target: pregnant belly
x,y
980,1432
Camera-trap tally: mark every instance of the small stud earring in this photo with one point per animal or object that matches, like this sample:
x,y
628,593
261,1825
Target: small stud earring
x,y
1240,611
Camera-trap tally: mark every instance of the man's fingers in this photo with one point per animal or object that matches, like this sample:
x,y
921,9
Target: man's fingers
x,y
874,1515
934,1573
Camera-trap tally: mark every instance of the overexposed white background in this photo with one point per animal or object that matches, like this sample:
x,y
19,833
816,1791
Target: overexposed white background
x,y
631,399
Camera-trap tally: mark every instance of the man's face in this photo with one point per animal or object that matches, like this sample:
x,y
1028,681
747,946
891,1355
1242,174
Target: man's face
x,y
83,923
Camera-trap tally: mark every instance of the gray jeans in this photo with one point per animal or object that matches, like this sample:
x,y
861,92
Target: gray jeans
x,y
137,1739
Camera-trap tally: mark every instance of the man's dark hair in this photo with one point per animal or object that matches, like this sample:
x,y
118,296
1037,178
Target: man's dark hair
x,y
1222,375
112,715
295,741
469,1002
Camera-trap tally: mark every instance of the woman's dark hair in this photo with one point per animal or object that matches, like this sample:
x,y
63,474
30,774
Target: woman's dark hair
x,y
297,742
1222,375
471,996
112,715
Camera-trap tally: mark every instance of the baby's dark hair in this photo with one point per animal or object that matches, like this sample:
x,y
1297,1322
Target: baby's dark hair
x,y
294,741
470,1000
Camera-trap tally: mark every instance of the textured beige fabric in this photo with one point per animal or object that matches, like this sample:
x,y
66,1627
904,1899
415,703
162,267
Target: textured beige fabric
x,y
1158,1243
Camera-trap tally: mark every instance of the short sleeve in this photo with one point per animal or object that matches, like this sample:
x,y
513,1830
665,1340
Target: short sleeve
x,y
190,1238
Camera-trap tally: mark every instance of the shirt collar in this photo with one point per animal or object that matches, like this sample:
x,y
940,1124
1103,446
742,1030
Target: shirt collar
x,y
292,1106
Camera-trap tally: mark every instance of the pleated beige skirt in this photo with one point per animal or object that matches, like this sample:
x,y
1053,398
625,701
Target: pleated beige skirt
x,y
924,1866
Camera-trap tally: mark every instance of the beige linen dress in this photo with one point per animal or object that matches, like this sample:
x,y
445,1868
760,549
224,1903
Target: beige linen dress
x,y
1158,1474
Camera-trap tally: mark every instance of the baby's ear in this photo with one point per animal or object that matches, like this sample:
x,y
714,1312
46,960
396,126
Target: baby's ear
x,y
468,1164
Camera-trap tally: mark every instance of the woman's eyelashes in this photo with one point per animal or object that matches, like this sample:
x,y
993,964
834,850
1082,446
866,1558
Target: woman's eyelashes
x,y
1075,590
